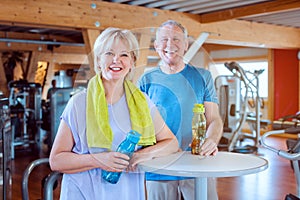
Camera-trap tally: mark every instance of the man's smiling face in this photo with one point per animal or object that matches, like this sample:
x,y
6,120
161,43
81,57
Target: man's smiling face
x,y
171,44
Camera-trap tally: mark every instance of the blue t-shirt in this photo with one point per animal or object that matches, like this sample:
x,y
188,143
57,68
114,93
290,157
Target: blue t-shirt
x,y
175,95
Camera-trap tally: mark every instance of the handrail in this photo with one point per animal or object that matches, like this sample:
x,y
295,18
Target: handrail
x,y
49,183
28,170
281,153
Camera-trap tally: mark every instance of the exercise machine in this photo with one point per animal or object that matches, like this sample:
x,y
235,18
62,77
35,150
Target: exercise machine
x,y
5,151
233,93
229,94
57,102
291,154
49,182
52,110
26,114
287,121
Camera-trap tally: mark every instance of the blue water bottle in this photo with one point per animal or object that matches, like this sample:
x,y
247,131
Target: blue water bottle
x,y
127,147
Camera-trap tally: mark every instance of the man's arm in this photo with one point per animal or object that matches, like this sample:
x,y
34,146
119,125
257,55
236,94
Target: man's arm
x,y
214,128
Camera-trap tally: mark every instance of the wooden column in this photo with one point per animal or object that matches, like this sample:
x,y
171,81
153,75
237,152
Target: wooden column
x,y
3,82
271,84
49,77
141,63
89,37
33,65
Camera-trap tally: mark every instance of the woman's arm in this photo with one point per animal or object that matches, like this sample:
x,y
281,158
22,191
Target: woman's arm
x,y
64,160
166,143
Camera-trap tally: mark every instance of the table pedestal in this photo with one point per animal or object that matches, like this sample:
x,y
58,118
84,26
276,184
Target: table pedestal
x,y
201,188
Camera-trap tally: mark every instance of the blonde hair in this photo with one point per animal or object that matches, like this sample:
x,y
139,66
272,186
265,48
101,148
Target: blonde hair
x,y
108,37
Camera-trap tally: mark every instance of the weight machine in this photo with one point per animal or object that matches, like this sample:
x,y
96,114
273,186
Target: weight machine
x,y
26,114
5,143
59,98
52,110
291,154
234,107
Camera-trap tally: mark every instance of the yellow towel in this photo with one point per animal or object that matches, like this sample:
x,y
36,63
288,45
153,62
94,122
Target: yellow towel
x,y
98,130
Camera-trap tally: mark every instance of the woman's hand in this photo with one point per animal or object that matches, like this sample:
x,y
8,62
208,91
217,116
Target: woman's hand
x,y
112,161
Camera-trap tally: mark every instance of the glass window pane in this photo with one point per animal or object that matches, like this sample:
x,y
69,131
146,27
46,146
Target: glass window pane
x,y
249,67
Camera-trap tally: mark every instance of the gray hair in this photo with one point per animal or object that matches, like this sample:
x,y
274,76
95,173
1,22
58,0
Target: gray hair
x,y
173,23
108,37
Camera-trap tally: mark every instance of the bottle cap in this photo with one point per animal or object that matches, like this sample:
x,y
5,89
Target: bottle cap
x,y
199,108
134,136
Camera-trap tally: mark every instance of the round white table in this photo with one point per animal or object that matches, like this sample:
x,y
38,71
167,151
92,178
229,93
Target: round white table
x,y
224,164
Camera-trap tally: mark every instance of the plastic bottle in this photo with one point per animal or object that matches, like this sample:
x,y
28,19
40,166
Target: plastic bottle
x,y
127,147
198,128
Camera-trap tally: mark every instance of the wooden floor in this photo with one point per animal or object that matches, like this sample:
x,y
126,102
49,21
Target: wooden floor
x,y
271,184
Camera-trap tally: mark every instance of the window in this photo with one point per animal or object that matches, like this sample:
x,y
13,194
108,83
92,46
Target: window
x,y
218,69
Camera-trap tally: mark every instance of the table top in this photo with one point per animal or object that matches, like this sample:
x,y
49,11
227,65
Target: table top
x,y
224,164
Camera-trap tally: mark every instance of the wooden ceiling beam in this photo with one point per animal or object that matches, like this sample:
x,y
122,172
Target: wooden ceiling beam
x,y
10,46
250,34
99,15
63,58
37,26
35,36
251,10
86,14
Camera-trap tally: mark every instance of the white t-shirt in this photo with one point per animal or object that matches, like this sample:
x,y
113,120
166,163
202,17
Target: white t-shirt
x,y
89,184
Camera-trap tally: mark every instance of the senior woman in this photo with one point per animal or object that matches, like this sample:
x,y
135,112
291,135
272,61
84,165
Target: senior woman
x,y
95,121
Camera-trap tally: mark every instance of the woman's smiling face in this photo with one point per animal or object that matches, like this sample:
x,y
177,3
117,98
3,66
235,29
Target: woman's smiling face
x,y
116,61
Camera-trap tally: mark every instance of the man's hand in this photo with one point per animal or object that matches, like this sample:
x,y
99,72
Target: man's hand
x,y
209,147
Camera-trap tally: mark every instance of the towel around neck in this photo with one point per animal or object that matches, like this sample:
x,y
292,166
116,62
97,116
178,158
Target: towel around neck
x,y
98,130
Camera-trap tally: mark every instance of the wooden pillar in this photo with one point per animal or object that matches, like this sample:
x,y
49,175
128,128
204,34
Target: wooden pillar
x,y
3,82
33,65
49,77
89,37
141,63
271,85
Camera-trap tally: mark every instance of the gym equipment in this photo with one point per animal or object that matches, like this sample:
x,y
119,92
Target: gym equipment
x,y
292,154
52,110
26,114
63,79
59,98
5,143
58,101
233,92
48,184
288,121
229,94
